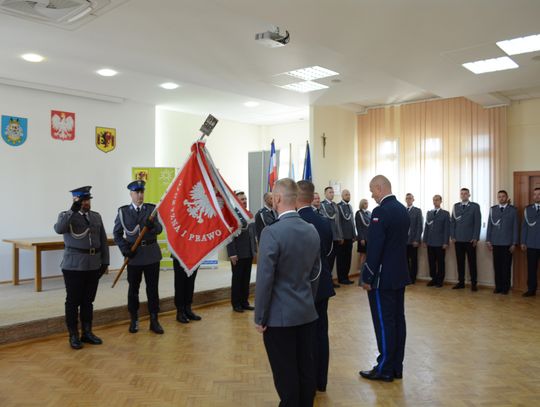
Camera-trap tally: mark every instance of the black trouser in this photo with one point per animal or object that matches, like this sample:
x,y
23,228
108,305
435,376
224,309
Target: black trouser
x,y
321,352
81,289
502,264
241,277
463,248
183,286
388,315
344,257
290,352
412,261
151,279
533,256
436,263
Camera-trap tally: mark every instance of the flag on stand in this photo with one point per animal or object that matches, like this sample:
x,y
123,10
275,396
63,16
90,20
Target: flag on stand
x,y
291,163
199,211
272,169
306,175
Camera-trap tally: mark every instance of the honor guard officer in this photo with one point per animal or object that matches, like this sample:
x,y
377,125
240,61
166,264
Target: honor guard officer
x,y
465,232
265,216
384,276
501,239
330,210
415,236
128,224
348,230
86,258
436,238
530,242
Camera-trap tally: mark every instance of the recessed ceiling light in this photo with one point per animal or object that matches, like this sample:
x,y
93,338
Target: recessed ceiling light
x,y
311,73
491,65
520,45
304,87
107,72
251,104
32,57
169,85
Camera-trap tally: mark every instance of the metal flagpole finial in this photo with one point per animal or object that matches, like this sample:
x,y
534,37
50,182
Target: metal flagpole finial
x,y
208,126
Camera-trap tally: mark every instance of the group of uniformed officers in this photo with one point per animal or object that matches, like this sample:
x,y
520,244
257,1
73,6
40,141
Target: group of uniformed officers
x,y
462,227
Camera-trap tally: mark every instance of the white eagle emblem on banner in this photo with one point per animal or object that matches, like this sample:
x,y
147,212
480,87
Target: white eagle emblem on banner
x,y
200,204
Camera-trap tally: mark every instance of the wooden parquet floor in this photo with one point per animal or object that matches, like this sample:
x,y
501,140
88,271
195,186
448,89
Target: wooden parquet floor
x,y
463,349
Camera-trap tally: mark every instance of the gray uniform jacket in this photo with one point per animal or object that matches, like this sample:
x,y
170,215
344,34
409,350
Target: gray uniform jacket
x,y
417,221
465,222
346,219
263,218
288,271
437,228
530,229
127,227
502,228
86,245
362,219
330,210
244,245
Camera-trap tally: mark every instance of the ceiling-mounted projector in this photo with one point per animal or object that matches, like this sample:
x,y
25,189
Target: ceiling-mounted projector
x,y
273,38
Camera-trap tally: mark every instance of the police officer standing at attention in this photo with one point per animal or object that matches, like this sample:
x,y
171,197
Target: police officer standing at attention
x,y
501,239
330,211
384,276
437,238
530,242
265,216
86,258
465,232
241,252
129,222
348,230
415,236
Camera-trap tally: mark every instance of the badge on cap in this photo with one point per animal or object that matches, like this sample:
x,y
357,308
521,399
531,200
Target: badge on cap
x,y
136,185
82,192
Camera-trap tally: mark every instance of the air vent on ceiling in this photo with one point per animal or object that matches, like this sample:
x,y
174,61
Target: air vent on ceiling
x,y
61,13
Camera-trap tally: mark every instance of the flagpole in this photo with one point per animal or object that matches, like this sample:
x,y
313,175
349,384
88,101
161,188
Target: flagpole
x,y
206,129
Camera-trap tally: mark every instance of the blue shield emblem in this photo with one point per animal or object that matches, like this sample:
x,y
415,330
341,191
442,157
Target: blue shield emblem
x,y
14,130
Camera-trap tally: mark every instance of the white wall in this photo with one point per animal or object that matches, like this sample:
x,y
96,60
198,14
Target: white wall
x,y
38,174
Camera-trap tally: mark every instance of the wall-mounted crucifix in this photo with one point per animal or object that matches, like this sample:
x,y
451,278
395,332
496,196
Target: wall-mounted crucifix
x,y
323,144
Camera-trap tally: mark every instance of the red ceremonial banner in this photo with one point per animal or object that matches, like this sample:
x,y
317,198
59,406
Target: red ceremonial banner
x,y
196,215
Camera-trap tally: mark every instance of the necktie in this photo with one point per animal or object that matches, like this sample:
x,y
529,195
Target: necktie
x,y
85,216
502,209
139,209
537,208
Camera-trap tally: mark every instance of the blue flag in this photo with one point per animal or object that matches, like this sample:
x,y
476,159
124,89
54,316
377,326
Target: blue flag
x,y
306,175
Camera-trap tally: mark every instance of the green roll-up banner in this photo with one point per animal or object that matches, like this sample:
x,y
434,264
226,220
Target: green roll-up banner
x,y
157,180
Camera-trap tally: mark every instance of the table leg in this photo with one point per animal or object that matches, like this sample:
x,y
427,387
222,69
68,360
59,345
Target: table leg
x,y
15,265
37,258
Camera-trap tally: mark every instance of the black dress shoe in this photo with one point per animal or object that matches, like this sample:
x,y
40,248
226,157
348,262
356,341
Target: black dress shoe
x,y
458,286
238,309
191,315
474,287
398,375
335,285
321,388
182,317
431,283
439,285
134,326
248,307
89,337
155,325
346,282
374,375
497,291
74,341
504,292
529,294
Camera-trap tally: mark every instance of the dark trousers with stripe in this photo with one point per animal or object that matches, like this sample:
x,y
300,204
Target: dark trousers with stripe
x,y
322,345
436,256
81,289
241,277
462,249
388,314
151,279
343,259
502,265
412,261
290,352
533,256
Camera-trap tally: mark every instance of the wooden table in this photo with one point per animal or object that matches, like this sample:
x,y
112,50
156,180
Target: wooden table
x,y
38,245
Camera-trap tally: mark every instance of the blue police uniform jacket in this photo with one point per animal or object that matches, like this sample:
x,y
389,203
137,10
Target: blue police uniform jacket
x,y
386,263
466,222
502,228
437,228
530,230
127,227
326,287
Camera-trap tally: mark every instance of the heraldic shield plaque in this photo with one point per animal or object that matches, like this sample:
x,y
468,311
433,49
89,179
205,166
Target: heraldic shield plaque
x,y
105,139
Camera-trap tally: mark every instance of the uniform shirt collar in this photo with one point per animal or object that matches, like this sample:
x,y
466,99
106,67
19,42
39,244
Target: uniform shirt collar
x,y
384,197
503,206
270,209
135,206
286,212
305,206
